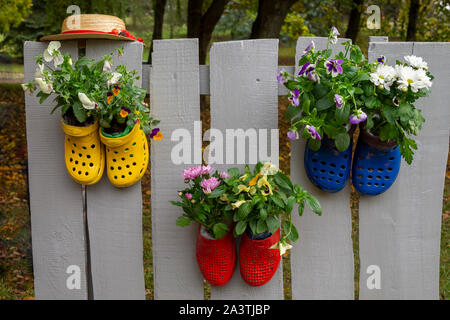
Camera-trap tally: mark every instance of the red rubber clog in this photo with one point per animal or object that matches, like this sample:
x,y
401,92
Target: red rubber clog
x,y
216,258
257,262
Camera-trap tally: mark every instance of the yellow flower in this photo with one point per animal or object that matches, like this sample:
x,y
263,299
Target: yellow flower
x,y
158,136
137,112
237,204
224,198
243,177
265,186
253,181
123,113
109,99
116,90
252,190
242,187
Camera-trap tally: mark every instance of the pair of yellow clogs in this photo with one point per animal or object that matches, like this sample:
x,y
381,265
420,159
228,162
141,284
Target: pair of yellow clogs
x,y
126,156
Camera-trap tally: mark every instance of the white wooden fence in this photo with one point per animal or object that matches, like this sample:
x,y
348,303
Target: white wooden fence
x,y
399,231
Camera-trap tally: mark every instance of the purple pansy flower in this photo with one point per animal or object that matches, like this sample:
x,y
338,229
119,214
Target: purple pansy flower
x,y
339,101
209,185
154,133
295,97
310,46
281,77
381,59
359,116
126,109
313,132
334,66
293,135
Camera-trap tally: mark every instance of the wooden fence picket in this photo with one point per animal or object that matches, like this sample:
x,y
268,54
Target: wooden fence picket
x,y
400,229
244,95
115,215
322,260
175,100
55,199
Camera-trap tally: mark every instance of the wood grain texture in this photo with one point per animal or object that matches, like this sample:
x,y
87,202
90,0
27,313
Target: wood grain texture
x,y
400,229
244,96
115,215
55,199
322,260
175,100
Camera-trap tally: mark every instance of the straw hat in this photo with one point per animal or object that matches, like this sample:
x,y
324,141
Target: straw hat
x,y
93,26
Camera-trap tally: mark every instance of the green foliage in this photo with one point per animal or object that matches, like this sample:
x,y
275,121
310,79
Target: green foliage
x,y
13,13
264,198
316,108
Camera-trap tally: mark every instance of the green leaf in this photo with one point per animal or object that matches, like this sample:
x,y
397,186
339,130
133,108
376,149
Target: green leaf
x,y
263,213
244,210
220,230
240,227
183,221
273,223
361,77
301,208
253,226
278,201
79,111
217,192
314,204
314,144
261,226
324,103
290,230
342,141
233,172
291,203
291,112
176,203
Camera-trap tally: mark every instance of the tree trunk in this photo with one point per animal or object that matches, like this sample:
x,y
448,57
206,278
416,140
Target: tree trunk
x,y
412,20
354,20
270,18
159,7
201,26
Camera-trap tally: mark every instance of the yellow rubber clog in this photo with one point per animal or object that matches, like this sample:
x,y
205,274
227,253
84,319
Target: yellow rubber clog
x,y
84,153
126,157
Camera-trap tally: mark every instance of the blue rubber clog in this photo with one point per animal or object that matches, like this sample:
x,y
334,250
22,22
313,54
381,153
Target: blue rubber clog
x,y
375,165
328,168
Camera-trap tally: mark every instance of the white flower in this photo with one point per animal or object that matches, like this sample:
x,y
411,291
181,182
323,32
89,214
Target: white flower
x,y
114,79
422,79
107,66
416,62
283,247
269,169
39,71
52,53
334,33
383,76
28,88
407,77
238,204
46,87
86,102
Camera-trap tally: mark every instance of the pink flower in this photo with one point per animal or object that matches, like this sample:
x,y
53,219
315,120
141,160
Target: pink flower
x,y
209,185
192,173
188,196
224,175
206,169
